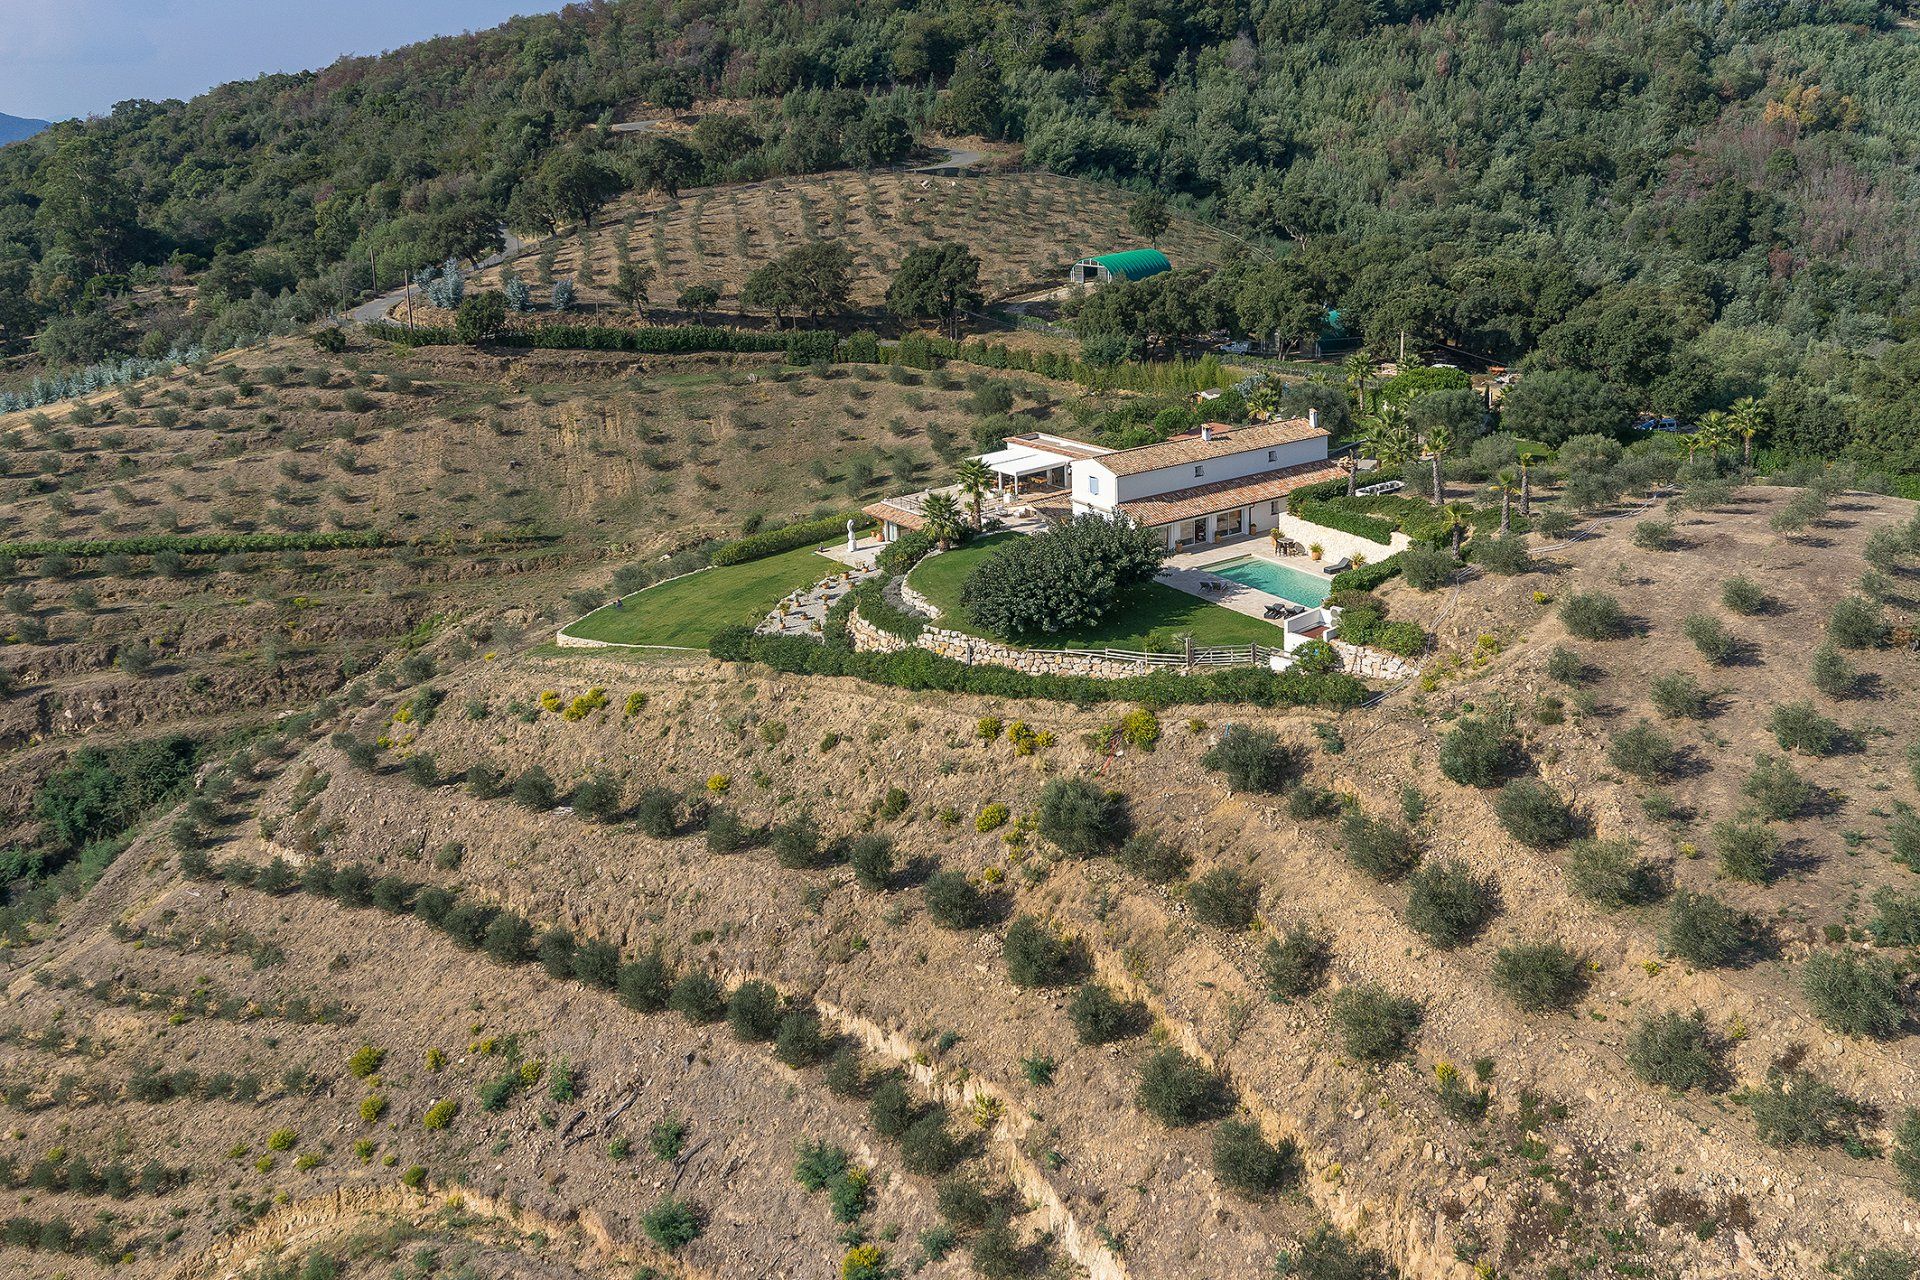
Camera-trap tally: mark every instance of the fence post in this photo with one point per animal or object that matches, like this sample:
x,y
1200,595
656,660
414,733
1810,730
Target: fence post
x,y
1187,643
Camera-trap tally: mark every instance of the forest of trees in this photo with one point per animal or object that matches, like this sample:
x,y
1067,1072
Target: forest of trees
x,y
1665,207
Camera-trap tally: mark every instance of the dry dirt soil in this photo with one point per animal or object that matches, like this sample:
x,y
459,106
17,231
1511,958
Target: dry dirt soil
x,y
1576,1167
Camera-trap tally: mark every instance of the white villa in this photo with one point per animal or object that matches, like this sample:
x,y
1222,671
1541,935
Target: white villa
x,y
1218,483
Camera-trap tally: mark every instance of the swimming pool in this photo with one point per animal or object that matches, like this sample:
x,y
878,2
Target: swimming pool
x,y
1274,579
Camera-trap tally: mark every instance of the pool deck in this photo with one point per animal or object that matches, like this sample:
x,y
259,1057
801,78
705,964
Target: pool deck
x,y
1187,570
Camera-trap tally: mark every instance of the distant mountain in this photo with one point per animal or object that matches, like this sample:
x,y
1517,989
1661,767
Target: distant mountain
x,y
13,128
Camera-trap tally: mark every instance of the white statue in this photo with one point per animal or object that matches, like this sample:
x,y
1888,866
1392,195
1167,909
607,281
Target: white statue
x,y
852,538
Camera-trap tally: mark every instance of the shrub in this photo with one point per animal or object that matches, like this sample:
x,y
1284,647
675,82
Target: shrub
x,y
872,859
646,984
1099,1017
365,1061
953,902
1703,930
1744,596
1678,696
1534,814
1426,568
1798,727
753,1011
1747,850
997,1253
1674,1050
1253,760
1856,997
1654,535
1312,804
1178,1091
1644,752
439,1115
1224,898
1539,976
1775,789
1566,666
1896,921
672,1224
1248,1165
991,817
1903,833
483,781
1832,674
1070,576
1374,1024
1799,1109
771,542
844,1075
1035,956
1080,816
726,833
697,998
1906,1151
508,938
799,1041
534,790
926,1148
1153,859
1856,623
1448,904
1711,637
1140,729
891,1109
555,953
797,844
1594,615
657,813
1609,874
1383,849
1506,556
1295,963
1477,753
1328,1255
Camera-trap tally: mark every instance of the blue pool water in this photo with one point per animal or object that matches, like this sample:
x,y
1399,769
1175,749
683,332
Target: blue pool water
x,y
1274,579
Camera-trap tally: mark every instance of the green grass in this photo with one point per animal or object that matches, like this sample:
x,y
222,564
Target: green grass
x,y
687,611
1155,617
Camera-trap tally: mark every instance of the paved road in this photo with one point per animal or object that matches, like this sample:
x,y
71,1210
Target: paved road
x,y
377,309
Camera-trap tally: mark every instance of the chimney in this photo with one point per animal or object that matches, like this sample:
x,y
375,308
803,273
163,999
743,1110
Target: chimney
x,y
1313,418
1206,431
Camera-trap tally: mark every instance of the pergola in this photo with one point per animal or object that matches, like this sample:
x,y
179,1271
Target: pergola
x,y
1016,462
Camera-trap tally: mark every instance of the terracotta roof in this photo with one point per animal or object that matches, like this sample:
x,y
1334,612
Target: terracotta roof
x,y
1060,445
886,511
1225,495
1226,440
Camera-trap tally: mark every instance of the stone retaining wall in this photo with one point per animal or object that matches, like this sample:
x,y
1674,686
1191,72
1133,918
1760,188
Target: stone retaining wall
x,y
1373,664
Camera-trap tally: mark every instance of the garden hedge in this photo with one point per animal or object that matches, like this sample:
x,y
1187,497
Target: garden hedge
x,y
771,542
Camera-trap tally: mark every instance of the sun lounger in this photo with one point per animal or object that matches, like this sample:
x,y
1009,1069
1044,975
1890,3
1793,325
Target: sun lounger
x,y
1343,563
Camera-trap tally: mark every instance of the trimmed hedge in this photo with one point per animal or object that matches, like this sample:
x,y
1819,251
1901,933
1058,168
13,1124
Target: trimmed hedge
x,y
1367,576
870,599
801,346
772,542
918,669
1356,523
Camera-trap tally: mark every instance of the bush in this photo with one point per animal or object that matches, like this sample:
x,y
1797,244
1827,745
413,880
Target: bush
x,y
1798,727
926,1148
1477,753
872,859
1506,556
1254,760
1674,1050
646,984
534,790
797,844
727,833
1609,874
1856,623
1594,615
771,542
1703,930
1644,752
657,813
698,998
1068,577
597,799
1799,1109
891,1109
964,1204
1153,859
1744,596
953,902
1383,849
597,964
1539,976
1906,1151
672,1224
1832,674
1035,956
1534,814
1248,1165
1678,696
1566,666
1374,1024
1856,997
1099,1017
753,1011
1312,804
1080,816
1715,643
1426,568
1654,535
1448,904
1177,1091
1896,921
1747,851
1775,789
555,953
1296,962
508,938
1328,1255
1224,898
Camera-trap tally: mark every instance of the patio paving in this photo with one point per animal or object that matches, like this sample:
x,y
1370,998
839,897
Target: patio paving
x,y
806,609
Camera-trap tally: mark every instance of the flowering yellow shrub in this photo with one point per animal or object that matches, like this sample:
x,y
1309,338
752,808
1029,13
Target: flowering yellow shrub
x,y
550,700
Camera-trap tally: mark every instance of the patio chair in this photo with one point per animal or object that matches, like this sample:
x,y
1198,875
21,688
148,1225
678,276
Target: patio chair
x,y
1343,563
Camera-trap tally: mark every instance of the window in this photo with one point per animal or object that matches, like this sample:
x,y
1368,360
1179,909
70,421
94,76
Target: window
x,y
1093,484
1199,471
1273,508
1273,455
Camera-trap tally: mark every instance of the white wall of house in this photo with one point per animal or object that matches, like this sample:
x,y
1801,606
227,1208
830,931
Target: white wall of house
x,y
1232,466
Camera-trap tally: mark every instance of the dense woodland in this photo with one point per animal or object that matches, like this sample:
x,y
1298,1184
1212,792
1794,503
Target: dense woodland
x,y
1654,207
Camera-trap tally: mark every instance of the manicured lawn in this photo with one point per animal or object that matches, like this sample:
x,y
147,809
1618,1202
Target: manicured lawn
x,y
1154,618
687,611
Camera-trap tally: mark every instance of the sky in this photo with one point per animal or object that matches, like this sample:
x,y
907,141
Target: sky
x,y
64,58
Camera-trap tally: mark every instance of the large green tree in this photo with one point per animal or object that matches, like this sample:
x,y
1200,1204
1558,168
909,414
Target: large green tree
x,y
938,282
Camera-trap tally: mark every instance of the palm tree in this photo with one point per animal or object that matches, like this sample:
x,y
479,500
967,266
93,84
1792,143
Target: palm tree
x,y
1528,453
940,515
1439,439
1694,442
1455,519
1746,419
1715,430
973,478
1387,436
1264,400
1506,483
1357,367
